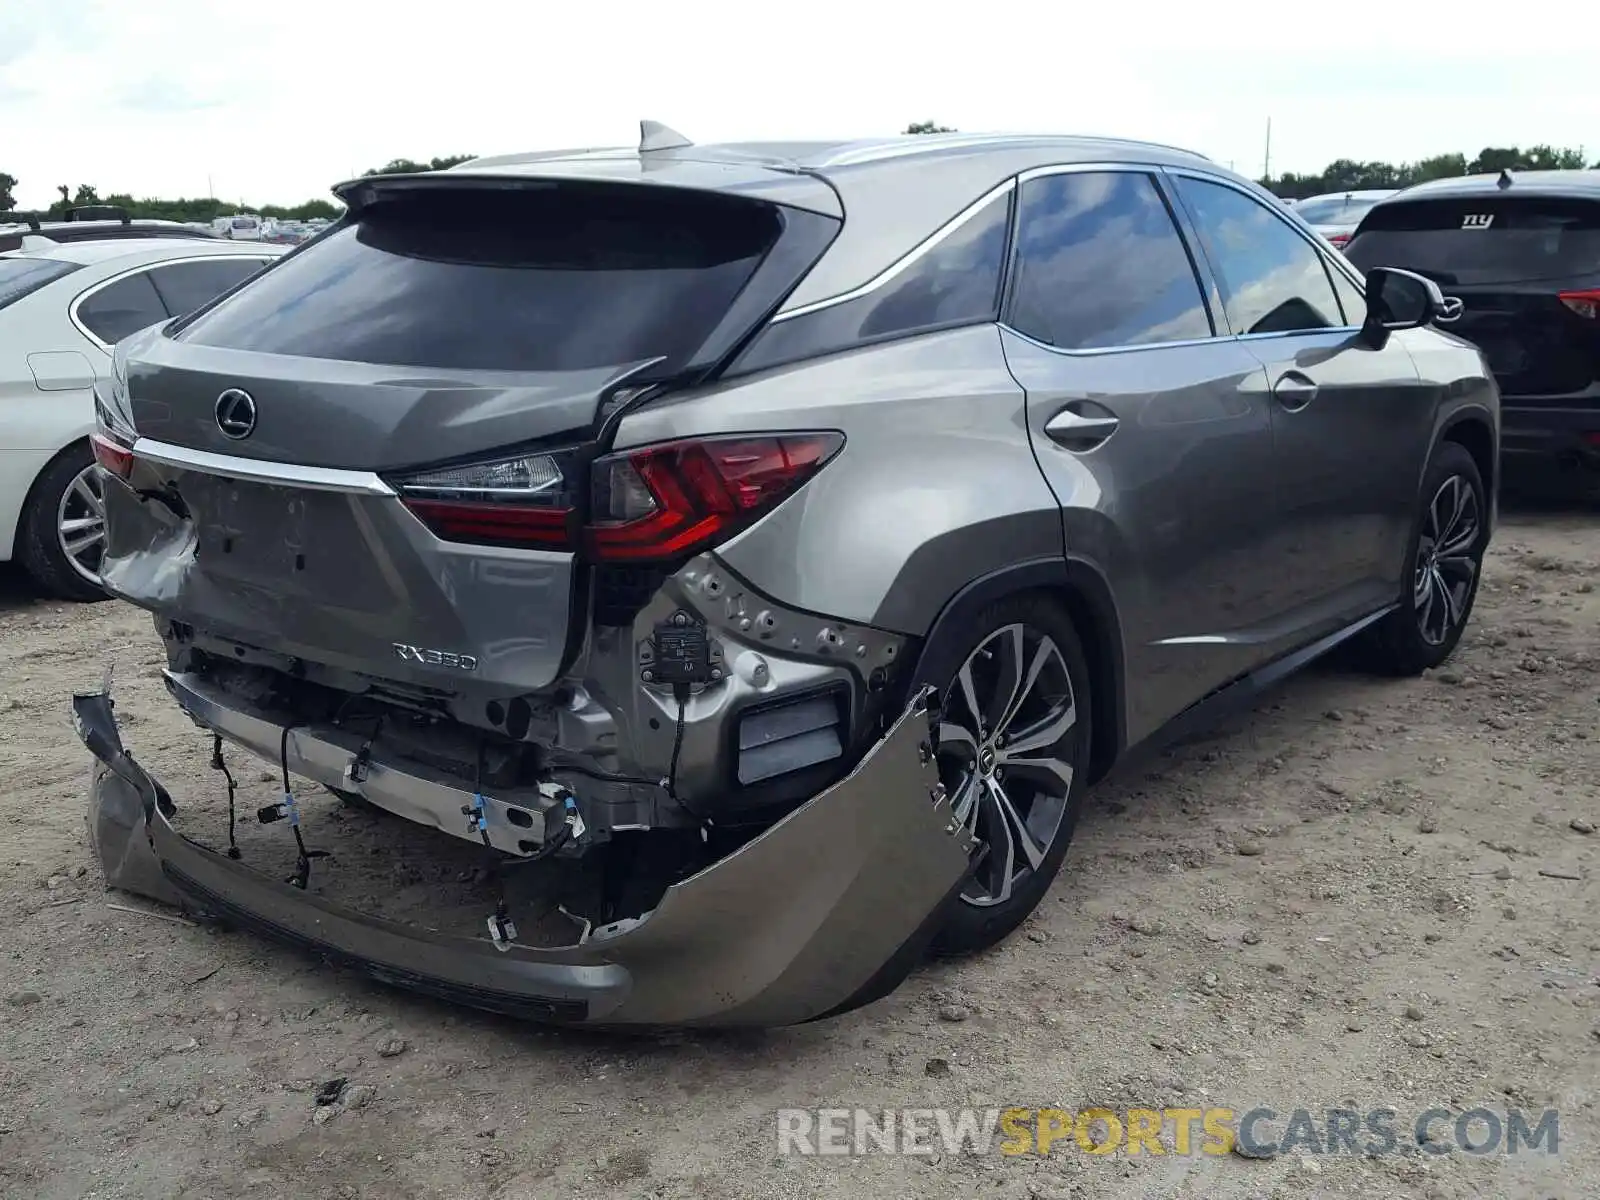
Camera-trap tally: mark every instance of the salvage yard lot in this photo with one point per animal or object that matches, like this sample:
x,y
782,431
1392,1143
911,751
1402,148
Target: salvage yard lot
x,y
1365,894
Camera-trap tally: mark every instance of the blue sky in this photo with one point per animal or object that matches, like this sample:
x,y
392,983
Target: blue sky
x,y
255,101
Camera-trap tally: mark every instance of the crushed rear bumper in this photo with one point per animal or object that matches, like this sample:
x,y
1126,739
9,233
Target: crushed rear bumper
x,y
826,910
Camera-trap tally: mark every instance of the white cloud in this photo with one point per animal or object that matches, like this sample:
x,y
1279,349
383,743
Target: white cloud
x,y
275,102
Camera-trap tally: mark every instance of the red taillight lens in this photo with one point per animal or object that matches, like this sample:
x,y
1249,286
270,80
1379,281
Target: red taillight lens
x,y
521,501
665,501
1585,303
112,455
1338,240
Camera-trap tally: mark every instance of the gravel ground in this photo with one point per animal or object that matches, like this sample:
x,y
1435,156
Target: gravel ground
x,y
1364,894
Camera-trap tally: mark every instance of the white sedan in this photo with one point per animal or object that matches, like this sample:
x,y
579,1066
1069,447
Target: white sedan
x,y
62,307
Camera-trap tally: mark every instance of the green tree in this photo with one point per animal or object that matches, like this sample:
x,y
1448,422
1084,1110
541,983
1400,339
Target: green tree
x,y
406,166
928,127
8,199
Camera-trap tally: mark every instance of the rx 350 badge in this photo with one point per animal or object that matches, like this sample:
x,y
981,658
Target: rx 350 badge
x,y
430,657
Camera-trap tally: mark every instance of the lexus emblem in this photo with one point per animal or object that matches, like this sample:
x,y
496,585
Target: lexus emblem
x,y
236,414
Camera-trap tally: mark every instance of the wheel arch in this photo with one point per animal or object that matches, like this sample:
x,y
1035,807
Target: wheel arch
x,y
1473,432
1082,591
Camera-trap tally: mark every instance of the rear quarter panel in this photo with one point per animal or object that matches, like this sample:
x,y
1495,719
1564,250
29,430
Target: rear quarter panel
x,y
936,484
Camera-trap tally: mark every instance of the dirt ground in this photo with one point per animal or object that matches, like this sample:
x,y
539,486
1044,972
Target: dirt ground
x,y
1366,893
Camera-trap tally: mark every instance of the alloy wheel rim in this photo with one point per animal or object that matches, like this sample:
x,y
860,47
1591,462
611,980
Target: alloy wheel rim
x,y
81,524
1006,717
1447,564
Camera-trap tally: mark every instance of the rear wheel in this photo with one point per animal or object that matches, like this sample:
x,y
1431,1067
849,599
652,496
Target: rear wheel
x,y
61,538
1013,756
1444,564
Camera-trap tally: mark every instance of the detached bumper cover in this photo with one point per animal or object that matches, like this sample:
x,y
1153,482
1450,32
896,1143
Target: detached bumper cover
x,y
825,911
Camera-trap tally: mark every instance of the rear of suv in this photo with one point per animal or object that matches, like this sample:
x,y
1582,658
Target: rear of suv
x,y
1521,251
781,537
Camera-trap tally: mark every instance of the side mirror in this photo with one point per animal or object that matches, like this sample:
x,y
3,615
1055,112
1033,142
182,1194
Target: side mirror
x,y
1399,299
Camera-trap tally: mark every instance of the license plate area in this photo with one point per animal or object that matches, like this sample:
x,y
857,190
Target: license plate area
x,y
300,541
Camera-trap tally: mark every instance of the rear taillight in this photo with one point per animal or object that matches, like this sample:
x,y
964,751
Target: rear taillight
x,y
112,455
523,501
1585,303
665,501
1338,240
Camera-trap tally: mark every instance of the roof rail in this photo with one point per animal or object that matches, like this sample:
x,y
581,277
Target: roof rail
x,y
99,212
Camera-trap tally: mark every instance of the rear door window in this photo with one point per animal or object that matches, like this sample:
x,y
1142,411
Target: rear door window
x,y
561,278
1100,264
186,286
122,308
20,276
1273,280
1482,239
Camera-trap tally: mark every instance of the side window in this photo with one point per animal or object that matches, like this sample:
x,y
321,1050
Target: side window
x,y
1272,279
185,286
124,308
1351,298
1100,264
955,283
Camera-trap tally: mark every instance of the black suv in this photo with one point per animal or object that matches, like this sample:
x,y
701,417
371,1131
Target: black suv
x,y
1522,253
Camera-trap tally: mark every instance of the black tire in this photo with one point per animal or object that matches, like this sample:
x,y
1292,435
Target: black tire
x,y
987,911
1410,640
39,547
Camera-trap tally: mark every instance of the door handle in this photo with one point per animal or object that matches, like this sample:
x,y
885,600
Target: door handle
x,y
1079,430
1294,391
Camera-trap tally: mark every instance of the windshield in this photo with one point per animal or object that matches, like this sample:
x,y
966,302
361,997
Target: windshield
x,y
19,276
244,222
1334,211
1483,239
556,279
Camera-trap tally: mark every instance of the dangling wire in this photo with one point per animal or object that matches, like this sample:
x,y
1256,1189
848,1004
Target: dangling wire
x,y
217,764
302,866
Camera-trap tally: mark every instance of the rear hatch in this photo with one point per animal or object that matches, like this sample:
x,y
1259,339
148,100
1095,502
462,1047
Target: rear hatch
x,y
1526,269
372,456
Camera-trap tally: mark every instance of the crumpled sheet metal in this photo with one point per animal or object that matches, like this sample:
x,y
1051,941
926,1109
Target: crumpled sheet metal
x,y
826,910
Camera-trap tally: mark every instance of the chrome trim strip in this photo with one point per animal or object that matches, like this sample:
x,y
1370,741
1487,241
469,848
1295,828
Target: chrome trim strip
x,y
156,265
906,260
1085,168
1096,351
1093,351
904,147
257,470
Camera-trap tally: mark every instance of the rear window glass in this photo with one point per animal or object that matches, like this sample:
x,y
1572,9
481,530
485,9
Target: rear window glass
x,y
1337,211
1482,239
555,279
19,276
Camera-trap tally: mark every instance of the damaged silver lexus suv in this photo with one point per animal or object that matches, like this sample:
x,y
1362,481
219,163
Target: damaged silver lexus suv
x,y
766,543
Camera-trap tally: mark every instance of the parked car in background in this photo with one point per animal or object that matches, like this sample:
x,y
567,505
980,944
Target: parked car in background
x,y
1520,251
16,231
62,307
241,227
632,522
1336,215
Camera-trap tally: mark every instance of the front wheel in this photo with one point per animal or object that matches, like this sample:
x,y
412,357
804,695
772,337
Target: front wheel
x,y
1443,565
1013,754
